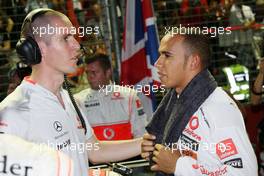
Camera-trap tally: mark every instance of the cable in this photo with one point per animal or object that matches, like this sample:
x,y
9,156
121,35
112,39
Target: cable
x,y
66,84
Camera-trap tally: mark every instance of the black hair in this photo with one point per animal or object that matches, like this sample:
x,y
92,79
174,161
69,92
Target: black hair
x,y
198,44
101,58
195,43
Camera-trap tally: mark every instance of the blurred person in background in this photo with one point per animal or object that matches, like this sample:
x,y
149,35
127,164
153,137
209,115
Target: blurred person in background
x,y
241,16
5,47
114,112
6,26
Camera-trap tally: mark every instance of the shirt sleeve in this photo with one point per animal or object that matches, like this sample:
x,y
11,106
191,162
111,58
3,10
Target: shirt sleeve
x,y
14,122
36,158
232,156
137,114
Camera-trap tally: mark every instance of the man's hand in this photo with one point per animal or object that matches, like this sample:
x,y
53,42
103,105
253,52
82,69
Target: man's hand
x,y
165,159
147,145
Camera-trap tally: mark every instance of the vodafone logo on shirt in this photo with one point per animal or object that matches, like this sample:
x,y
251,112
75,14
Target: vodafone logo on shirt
x,y
116,96
194,123
226,148
138,103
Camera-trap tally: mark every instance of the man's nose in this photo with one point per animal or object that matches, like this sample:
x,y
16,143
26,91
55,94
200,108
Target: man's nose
x,y
158,62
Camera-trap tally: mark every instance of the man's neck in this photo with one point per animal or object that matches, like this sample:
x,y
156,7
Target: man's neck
x,y
48,80
188,79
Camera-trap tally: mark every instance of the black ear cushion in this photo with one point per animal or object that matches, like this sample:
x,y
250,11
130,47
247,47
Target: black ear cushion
x,y
28,51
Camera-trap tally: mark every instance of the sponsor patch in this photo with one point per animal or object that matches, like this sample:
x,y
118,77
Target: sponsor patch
x,y
226,148
236,163
204,171
92,104
141,112
138,103
109,133
194,123
64,144
193,134
61,135
57,126
195,166
116,96
8,167
190,143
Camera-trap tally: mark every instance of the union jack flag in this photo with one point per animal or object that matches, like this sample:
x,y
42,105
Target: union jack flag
x,y
140,48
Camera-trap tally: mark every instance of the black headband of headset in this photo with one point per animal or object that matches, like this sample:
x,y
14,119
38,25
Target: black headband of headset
x,y
27,48
32,16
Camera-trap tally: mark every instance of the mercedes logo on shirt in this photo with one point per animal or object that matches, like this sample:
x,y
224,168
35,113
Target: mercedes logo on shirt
x,y
57,126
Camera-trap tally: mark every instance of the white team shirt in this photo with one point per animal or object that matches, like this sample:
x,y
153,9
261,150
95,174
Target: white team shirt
x,y
35,114
113,105
215,142
19,157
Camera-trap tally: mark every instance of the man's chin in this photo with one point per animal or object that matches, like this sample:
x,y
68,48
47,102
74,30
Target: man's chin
x,y
94,87
163,83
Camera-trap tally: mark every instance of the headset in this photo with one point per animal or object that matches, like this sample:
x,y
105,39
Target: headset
x,y
29,53
26,47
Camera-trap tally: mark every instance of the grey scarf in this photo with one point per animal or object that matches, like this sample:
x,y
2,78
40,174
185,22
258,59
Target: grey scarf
x,y
173,114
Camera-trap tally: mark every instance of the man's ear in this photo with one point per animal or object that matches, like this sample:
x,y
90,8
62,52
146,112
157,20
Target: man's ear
x,y
195,61
43,49
109,73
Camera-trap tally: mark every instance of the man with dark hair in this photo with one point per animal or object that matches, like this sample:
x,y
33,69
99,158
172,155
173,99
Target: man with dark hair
x,y
40,111
197,128
102,63
114,112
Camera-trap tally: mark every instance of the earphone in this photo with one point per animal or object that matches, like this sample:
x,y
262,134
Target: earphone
x,y
26,47
29,52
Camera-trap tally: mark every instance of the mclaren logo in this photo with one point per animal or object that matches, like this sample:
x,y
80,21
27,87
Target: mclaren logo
x,y
57,126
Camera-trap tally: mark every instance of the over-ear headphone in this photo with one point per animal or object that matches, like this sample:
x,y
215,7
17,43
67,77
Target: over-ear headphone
x,y
27,48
